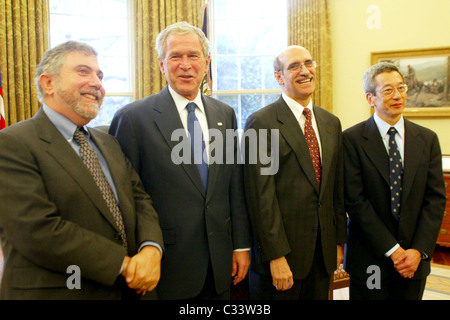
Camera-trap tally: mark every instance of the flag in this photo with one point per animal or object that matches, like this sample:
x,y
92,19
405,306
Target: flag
x,y
206,85
2,108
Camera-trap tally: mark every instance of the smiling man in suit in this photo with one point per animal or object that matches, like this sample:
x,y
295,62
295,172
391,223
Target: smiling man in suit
x,y
395,195
55,216
201,205
297,213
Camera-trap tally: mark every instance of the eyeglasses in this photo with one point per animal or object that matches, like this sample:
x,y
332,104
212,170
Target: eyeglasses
x,y
389,91
295,67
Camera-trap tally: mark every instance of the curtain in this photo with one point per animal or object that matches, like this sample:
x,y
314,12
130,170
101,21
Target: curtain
x,y
309,27
151,17
23,41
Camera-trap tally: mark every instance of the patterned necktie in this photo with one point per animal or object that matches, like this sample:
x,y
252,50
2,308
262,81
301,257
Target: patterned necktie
x,y
197,143
395,173
90,159
313,144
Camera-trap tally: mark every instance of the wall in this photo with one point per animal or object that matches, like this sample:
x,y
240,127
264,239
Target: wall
x,y
405,24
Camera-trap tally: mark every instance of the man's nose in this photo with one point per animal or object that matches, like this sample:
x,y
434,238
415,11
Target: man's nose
x,y
185,62
96,81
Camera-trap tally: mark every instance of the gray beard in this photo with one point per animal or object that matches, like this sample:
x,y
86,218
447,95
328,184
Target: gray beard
x,y
88,110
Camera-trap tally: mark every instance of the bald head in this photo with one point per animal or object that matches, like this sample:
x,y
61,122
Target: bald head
x,y
295,71
278,64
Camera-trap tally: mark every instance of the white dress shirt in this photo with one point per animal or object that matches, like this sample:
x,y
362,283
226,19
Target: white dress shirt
x,y
181,103
297,110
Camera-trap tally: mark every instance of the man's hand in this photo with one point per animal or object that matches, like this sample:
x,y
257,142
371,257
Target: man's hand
x,y
241,262
142,271
282,277
407,262
396,255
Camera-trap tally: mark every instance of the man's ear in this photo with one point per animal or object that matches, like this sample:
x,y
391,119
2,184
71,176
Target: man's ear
x,y
279,78
47,83
369,98
161,65
208,61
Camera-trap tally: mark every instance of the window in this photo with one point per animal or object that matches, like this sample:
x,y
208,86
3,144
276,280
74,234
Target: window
x,y
105,25
246,37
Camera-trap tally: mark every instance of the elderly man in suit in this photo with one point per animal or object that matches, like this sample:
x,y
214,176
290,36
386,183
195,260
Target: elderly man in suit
x,y
200,203
395,195
66,234
297,212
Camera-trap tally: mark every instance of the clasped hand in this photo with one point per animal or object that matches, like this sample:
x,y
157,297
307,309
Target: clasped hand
x,y
143,270
406,262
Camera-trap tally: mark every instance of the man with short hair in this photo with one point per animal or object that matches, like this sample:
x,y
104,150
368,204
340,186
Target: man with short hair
x,y
395,195
200,202
70,200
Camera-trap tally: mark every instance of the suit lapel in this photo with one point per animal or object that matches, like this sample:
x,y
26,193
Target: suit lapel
x,y
327,142
62,152
169,121
118,175
412,154
376,152
292,133
374,148
218,124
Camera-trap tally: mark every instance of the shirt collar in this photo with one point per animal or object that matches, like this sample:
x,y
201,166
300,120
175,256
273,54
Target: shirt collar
x,y
297,108
181,101
384,127
64,125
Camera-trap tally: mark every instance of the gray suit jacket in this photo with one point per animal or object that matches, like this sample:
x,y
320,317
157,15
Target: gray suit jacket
x,y
287,209
199,227
52,215
372,229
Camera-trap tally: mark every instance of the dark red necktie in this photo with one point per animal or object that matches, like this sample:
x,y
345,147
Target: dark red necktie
x,y
313,144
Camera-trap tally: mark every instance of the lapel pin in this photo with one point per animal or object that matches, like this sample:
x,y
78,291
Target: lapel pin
x,y
219,124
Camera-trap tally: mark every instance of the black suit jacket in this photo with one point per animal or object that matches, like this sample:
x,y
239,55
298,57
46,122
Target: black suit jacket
x,y
372,229
52,215
199,227
287,209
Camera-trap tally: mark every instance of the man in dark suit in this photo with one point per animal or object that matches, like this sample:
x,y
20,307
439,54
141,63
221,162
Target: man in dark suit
x,y
390,244
297,212
60,240
204,221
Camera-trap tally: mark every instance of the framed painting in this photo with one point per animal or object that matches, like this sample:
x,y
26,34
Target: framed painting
x,y
427,73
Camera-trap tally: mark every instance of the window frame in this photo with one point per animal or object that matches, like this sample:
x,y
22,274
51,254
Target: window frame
x,y
131,94
213,65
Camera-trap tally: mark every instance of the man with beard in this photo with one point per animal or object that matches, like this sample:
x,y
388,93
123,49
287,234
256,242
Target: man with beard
x,y
297,213
75,221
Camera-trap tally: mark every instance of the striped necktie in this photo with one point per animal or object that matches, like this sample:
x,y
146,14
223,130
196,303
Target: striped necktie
x,y
90,159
